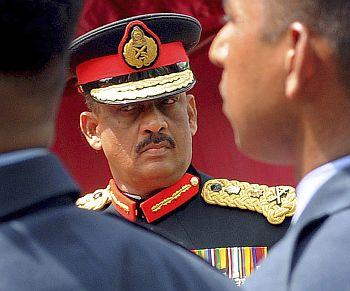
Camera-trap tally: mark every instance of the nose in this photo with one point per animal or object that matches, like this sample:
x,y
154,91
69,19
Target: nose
x,y
153,120
219,48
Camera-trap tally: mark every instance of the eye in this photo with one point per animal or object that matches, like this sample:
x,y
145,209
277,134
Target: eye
x,y
170,100
128,107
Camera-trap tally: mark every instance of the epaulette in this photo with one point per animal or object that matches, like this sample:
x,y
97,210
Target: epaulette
x,y
275,203
98,200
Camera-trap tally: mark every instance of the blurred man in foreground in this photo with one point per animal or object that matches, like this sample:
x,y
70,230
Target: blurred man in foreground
x,y
46,242
286,91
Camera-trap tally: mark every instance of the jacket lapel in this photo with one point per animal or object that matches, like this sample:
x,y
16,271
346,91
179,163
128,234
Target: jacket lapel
x,y
276,270
333,197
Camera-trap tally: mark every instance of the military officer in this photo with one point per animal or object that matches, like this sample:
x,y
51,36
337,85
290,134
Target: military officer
x,y
135,76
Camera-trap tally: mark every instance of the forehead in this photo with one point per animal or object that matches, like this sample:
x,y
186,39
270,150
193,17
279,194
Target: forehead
x,y
245,9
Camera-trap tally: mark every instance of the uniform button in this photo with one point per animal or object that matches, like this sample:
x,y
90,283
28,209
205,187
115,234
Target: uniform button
x,y
194,181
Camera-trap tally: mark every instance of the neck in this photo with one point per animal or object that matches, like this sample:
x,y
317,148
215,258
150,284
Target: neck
x,y
147,187
12,139
143,193
325,135
316,155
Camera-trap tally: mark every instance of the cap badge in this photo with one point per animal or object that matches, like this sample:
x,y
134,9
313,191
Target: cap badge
x,y
141,50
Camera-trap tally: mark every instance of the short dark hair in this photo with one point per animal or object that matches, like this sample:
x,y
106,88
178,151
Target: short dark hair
x,y
33,32
90,103
328,18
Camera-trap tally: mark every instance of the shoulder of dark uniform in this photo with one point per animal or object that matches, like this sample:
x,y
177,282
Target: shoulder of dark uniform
x,y
98,200
275,203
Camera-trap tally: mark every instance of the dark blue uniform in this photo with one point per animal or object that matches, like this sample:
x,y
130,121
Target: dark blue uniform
x,y
48,244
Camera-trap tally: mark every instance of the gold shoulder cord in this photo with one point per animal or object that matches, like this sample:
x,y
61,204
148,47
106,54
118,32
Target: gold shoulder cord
x,y
275,203
95,201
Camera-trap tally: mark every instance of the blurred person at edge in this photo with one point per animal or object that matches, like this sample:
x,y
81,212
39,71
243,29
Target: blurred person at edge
x,y
46,242
285,87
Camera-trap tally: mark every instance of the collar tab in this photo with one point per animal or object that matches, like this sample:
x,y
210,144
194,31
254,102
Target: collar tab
x,y
159,204
170,198
125,206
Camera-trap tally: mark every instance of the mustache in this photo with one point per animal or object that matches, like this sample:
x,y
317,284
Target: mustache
x,y
155,138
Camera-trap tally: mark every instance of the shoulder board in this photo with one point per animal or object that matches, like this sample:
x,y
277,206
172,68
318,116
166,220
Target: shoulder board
x,y
275,203
98,200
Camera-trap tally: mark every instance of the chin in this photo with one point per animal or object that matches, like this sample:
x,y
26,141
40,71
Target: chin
x,y
270,155
157,179
160,170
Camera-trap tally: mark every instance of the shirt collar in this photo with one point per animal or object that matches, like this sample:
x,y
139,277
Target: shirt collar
x,y
13,157
314,180
26,182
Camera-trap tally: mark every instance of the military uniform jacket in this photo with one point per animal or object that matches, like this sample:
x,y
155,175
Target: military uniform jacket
x,y
314,254
49,244
217,233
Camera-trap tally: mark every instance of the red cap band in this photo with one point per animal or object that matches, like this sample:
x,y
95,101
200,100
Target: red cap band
x,y
114,65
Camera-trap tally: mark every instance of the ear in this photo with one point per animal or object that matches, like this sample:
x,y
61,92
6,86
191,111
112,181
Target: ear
x,y
88,126
300,60
192,113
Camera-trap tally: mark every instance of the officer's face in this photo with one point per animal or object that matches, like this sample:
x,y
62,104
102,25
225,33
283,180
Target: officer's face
x,y
252,79
148,144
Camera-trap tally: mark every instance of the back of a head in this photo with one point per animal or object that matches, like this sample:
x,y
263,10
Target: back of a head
x,y
33,60
34,32
329,19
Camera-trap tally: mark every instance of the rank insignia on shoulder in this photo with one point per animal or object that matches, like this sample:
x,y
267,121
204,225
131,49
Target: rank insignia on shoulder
x,y
275,203
98,200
